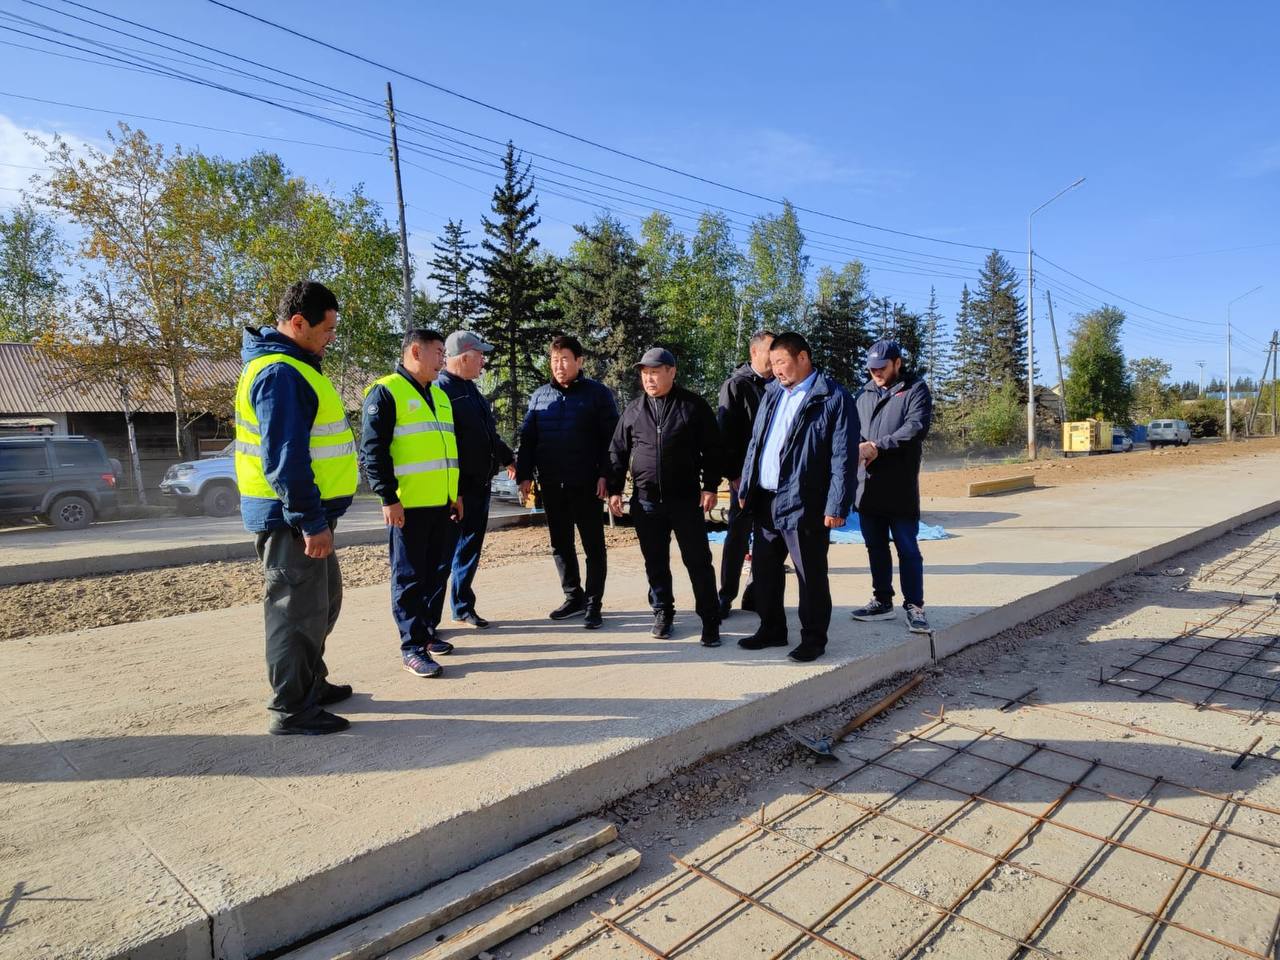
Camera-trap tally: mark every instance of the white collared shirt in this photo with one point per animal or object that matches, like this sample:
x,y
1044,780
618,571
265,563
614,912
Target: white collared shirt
x,y
784,416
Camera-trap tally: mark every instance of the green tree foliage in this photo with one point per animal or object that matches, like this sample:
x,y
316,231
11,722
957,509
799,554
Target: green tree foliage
x,y
1206,417
776,265
1153,397
838,332
427,313
999,418
936,345
893,321
451,269
1097,381
519,290
603,301
31,285
1000,325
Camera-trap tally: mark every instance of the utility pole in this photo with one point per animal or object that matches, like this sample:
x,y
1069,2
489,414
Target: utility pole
x,y
1275,379
1062,383
1229,303
1257,402
404,231
1200,364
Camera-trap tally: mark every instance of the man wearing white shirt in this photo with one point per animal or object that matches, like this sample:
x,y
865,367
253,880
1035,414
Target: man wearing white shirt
x,y
798,483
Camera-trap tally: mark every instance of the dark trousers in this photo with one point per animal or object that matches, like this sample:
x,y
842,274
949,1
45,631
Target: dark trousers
x,y
737,541
301,604
655,522
876,528
576,507
420,553
468,541
807,548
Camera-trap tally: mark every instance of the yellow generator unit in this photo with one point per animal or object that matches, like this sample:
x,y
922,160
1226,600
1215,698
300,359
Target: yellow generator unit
x,y
1086,436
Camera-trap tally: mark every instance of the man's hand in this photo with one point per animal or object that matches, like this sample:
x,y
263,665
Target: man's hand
x,y
511,471
832,522
525,487
393,515
742,503
455,510
319,545
708,501
615,504
602,490
867,451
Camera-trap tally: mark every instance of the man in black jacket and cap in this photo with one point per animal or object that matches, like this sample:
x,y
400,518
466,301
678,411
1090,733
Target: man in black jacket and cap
x,y
739,400
894,411
669,439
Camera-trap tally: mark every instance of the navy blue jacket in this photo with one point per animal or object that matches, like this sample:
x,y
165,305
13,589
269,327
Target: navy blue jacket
x,y
896,420
286,408
819,459
480,450
565,435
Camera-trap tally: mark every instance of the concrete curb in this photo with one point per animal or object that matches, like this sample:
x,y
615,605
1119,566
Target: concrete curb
x,y
198,553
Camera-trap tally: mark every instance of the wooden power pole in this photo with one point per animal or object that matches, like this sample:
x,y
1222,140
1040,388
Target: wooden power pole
x,y
404,230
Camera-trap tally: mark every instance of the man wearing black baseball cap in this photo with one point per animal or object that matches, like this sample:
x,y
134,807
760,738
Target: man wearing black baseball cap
x,y
669,439
894,411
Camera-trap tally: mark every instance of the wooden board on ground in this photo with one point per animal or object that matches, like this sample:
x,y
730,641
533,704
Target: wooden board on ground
x,y
401,922
503,919
983,488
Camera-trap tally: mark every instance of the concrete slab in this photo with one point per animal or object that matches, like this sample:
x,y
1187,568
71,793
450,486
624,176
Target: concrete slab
x,y
155,731
30,554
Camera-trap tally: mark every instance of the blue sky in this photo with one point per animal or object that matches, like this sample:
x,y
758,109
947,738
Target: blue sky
x,y
944,119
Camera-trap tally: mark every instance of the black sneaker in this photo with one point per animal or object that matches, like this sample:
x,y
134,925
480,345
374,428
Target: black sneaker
x,y
334,693
875,610
757,642
711,634
570,608
441,648
318,725
806,653
472,620
917,622
661,625
594,620
726,608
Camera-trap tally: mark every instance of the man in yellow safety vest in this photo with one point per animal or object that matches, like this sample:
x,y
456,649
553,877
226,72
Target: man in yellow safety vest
x,y
410,457
296,470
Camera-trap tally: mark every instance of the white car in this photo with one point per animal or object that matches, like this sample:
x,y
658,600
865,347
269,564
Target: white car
x,y
1163,433
1120,442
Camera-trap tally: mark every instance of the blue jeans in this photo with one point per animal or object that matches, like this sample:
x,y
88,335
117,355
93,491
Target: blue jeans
x,y
466,552
876,529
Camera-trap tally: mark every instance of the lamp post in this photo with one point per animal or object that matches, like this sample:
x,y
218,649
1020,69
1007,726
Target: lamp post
x,y
1229,303
1031,313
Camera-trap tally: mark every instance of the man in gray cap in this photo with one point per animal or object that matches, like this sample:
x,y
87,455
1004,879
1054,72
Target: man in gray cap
x,y
669,439
481,452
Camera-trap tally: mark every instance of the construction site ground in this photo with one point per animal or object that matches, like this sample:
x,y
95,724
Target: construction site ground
x,y
150,815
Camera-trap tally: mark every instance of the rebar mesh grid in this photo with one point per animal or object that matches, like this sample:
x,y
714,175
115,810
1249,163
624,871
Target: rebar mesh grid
x,y
1255,567
1229,663
1172,835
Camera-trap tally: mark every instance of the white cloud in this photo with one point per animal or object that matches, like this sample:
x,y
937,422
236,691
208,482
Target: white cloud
x,y
20,159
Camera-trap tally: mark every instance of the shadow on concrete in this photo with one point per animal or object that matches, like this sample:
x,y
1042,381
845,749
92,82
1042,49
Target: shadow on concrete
x,y
958,519
997,568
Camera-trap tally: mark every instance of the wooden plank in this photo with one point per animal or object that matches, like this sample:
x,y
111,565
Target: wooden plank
x,y
401,922
503,919
982,488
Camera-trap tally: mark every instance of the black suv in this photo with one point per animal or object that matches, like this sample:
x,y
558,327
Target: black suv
x,y
66,481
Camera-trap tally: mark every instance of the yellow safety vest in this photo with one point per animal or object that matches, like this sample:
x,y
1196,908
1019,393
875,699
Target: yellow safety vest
x,y
424,449
332,445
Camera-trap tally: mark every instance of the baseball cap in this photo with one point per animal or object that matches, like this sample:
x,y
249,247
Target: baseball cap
x,y
460,341
882,352
657,357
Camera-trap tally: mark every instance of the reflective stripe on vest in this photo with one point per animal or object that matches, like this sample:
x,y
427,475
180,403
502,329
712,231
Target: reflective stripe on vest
x,y
332,444
424,450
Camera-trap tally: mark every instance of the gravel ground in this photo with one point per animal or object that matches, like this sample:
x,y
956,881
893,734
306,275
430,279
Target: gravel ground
x,y
697,810
58,606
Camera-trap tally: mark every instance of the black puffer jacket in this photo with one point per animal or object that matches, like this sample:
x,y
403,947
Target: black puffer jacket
x,y
670,460
565,434
739,400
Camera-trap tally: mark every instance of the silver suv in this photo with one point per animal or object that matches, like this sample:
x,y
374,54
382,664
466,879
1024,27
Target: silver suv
x,y
1163,433
204,486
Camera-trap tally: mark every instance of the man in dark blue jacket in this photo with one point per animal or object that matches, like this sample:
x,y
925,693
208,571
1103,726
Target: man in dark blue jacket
x,y
894,412
481,451
798,482
564,440
278,403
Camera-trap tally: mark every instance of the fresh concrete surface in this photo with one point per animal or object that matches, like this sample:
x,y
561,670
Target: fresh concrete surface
x,y
139,784
31,553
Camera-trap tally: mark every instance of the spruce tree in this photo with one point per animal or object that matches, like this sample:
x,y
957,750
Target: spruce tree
x,y
936,348
519,288
1001,324
838,328
451,269
908,330
966,378
1098,382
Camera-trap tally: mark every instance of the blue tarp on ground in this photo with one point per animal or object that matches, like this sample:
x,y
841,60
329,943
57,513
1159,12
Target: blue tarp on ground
x,y
852,533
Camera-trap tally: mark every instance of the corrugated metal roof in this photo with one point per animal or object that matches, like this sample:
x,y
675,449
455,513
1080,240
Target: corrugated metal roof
x,y
33,382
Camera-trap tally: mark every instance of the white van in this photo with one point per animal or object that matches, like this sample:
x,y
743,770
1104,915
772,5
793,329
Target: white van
x,y
1162,433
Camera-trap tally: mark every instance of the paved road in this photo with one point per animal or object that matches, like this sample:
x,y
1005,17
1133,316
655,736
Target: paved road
x,y
39,553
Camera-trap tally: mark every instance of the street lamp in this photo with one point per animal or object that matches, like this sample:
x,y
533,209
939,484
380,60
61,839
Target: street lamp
x,y
1237,299
1031,313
